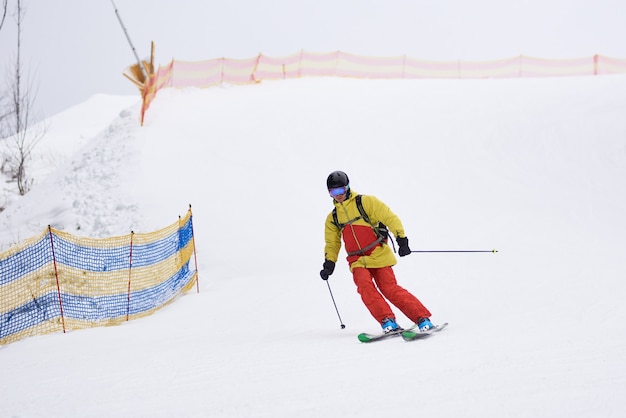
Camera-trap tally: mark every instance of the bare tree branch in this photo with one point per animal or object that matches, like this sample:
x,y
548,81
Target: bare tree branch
x,y
4,12
16,120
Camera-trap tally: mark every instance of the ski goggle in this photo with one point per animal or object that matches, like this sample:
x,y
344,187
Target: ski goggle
x,y
338,191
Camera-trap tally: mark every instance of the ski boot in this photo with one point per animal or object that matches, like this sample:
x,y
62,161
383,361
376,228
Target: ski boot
x,y
424,324
390,325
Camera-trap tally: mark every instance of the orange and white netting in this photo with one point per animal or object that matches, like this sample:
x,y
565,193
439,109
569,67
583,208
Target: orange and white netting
x,y
213,72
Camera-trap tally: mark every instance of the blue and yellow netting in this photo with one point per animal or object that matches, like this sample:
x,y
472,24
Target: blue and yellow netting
x,y
57,282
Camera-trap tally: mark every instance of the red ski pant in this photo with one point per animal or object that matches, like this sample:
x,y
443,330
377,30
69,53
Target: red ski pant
x,y
377,284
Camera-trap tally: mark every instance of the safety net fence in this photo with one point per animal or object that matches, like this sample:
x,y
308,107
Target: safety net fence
x,y
58,282
213,72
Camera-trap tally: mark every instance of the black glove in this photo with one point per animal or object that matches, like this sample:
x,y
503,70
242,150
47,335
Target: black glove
x,y
403,246
329,267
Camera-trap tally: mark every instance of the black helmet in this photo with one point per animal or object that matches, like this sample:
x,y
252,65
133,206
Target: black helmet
x,y
337,179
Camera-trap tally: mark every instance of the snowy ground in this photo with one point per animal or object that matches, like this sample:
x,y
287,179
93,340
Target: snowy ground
x,y
535,168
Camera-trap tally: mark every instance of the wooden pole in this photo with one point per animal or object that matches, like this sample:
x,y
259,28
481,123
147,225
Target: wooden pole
x,y
195,259
130,269
56,274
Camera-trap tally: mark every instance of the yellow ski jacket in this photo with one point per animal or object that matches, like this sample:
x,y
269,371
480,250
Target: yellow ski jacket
x,y
358,235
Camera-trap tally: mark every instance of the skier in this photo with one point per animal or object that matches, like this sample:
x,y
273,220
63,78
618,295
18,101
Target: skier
x,y
363,222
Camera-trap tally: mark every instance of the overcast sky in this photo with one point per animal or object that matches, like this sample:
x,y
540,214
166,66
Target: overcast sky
x,y
74,49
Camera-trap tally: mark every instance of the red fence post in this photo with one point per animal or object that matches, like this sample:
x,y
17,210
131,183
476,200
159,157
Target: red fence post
x,y
130,268
195,258
56,274
222,71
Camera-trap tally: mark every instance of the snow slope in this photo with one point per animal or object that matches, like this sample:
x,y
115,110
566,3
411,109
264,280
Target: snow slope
x,y
535,168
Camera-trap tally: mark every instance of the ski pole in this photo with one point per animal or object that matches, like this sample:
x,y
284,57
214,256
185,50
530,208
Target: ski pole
x,y
336,310
454,251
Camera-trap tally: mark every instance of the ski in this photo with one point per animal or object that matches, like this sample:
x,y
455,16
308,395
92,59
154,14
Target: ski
x,y
369,338
410,335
